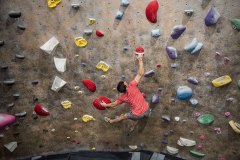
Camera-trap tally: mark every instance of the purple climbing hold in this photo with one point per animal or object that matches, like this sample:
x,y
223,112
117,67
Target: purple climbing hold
x,y
177,31
212,17
155,98
164,141
172,52
149,73
192,80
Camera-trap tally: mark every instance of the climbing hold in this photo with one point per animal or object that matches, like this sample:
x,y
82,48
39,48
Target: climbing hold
x,y
97,101
91,21
172,52
158,65
99,33
202,137
133,147
192,80
80,41
103,66
75,5
53,3
227,114
50,46
89,84
4,67
236,24
172,150
16,95
9,82
6,120
212,17
176,119
164,141
186,142
206,119
87,118
155,33
124,3
41,111
2,42
177,31
199,146
151,11
34,115
58,83
21,114
80,92
76,88
226,60
184,93
149,73
66,104
14,14
125,49
34,82
174,65
197,48
119,15
60,64
19,56
218,130
88,31
11,146
155,98
221,81
11,104
238,84
197,154
139,51
235,126
82,64
190,47
21,27
166,118
103,76
197,114
188,12
193,101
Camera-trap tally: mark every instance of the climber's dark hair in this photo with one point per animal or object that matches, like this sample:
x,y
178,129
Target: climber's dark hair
x,y
121,87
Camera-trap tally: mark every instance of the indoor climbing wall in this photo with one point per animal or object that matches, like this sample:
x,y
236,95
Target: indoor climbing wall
x,y
57,58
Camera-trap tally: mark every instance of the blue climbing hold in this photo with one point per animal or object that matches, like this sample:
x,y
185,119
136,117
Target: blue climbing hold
x,y
184,93
190,47
177,31
212,17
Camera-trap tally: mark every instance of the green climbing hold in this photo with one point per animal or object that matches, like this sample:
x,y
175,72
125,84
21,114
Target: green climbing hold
x,y
205,119
236,24
238,84
197,154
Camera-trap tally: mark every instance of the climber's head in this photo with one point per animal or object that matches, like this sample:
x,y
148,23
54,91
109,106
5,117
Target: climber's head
x,y
122,86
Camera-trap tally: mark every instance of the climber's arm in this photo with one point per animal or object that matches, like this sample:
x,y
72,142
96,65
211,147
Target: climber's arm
x,y
140,69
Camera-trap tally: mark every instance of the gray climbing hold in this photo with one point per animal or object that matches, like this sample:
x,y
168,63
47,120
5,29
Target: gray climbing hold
x,y
124,3
2,42
172,52
19,56
4,67
34,82
193,101
75,5
197,48
190,47
21,114
192,80
123,77
119,15
11,104
14,14
9,82
21,27
188,12
82,64
155,98
149,73
88,31
174,65
166,118
155,33
16,95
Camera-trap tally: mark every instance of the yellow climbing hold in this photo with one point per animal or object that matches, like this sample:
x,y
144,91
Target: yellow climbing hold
x,y
221,81
80,42
66,104
103,66
234,126
87,118
91,21
53,3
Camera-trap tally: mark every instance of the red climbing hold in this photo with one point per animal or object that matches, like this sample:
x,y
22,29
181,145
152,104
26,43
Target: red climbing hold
x,y
89,84
139,51
151,11
96,102
99,33
40,110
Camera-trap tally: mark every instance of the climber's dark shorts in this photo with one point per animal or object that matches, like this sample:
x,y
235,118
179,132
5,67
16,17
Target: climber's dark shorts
x,y
135,117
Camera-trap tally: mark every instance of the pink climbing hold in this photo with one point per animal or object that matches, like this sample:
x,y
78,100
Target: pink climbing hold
x,y
99,33
6,119
40,110
89,84
96,102
199,146
227,114
197,114
151,11
202,137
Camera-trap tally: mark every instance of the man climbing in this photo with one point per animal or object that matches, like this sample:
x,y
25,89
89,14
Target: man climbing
x,y
131,94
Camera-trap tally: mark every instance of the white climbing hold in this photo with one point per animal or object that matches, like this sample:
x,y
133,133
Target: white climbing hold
x,y
11,146
88,31
188,12
124,3
50,46
172,150
187,142
60,64
197,48
58,83
119,15
155,33
190,47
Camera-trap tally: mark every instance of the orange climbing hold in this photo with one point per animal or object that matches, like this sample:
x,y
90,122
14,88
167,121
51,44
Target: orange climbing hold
x,y
151,11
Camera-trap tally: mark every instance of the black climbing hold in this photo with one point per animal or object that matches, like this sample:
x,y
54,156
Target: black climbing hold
x,y
4,67
35,99
21,27
34,82
2,42
34,116
14,14
19,56
16,95
10,104
9,82
21,114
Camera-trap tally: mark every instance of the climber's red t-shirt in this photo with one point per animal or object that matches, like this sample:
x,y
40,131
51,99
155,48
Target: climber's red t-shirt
x,y
135,98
